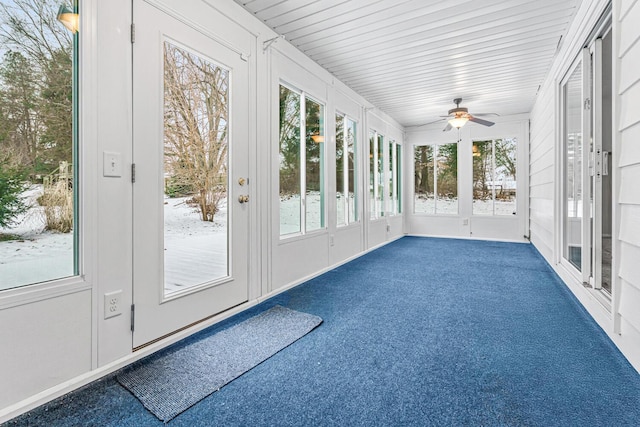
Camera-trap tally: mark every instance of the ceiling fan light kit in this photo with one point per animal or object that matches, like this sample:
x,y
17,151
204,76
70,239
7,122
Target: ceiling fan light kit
x,y
458,122
460,116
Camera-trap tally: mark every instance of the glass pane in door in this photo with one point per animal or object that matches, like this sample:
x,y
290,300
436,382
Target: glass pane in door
x,y
572,242
196,116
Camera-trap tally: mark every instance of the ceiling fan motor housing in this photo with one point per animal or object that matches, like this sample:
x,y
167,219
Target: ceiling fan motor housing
x,y
458,111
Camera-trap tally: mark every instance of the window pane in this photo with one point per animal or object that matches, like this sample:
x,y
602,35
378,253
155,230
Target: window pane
x,y
424,200
572,246
399,178
352,162
505,176
340,172
494,177
447,179
483,189
196,94
380,177
289,161
372,174
390,168
38,141
314,193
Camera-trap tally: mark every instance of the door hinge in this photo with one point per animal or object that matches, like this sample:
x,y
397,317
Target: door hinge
x,y
133,33
133,316
133,172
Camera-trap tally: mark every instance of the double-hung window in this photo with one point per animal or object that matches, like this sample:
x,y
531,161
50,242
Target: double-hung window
x,y
436,179
346,171
302,153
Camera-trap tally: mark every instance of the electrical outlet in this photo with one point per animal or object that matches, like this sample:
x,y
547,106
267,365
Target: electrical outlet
x,y
112,304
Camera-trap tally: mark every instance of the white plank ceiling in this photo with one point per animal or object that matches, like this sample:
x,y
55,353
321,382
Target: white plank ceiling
x,y
411,58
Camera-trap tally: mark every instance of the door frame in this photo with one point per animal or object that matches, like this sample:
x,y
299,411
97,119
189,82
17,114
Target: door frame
x,y
591,59
189,23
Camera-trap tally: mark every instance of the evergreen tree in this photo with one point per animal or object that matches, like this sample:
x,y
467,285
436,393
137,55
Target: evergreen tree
x,y
12,185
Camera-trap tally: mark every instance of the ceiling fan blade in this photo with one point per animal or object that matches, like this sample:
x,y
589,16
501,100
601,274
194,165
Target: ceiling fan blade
x,y
486,114
447,128
481,121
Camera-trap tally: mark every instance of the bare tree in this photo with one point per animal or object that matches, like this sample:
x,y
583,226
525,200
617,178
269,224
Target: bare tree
x,y
196,127
36,84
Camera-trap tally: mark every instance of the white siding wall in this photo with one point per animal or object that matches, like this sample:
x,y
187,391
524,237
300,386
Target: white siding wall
x,y
627,33
621,318
541,171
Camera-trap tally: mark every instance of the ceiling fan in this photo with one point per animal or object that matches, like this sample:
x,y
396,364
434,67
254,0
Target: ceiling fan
x,y
460,115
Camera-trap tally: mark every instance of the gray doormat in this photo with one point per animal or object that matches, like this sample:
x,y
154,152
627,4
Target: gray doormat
x,y
173,383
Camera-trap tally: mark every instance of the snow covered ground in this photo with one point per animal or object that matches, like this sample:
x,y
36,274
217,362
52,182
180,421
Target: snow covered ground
x,y
195,250
37,255
290,213
450,206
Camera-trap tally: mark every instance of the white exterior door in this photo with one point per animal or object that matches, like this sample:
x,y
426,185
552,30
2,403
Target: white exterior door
x,y
190,150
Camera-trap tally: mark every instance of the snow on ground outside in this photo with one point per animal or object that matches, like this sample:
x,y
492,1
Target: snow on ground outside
x,y
450,206
38,255
195,250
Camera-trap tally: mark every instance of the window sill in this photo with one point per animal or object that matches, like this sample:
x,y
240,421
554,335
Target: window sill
x,y
42,291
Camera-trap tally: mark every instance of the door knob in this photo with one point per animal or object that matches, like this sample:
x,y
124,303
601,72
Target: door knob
x,y
243,198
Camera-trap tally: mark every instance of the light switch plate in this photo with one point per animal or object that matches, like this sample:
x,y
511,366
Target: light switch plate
x,y
112,164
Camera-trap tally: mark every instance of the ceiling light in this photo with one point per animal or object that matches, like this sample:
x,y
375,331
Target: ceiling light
x,y
458,122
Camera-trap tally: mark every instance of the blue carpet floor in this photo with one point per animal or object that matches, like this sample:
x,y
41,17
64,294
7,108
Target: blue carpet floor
x,y
426,332
172,383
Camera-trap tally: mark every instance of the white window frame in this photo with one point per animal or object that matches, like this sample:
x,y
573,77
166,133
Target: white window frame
x,y
345,171
303,162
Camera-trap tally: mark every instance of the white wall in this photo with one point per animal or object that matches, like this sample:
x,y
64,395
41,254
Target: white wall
x,y
618,318
54,336
627,64
465,224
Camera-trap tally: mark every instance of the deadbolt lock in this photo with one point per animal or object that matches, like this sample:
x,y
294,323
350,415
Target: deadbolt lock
x,y
243,198
241,181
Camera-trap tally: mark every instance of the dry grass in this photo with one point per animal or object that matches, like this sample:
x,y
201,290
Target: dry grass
x,y
57,202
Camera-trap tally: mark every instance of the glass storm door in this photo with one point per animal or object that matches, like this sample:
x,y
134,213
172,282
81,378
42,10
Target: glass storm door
x,y
587,189
575,169
601,150
191,207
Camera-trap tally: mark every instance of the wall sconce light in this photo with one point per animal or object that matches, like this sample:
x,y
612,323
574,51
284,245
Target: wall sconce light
x,y
458,122
317,138
68,18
